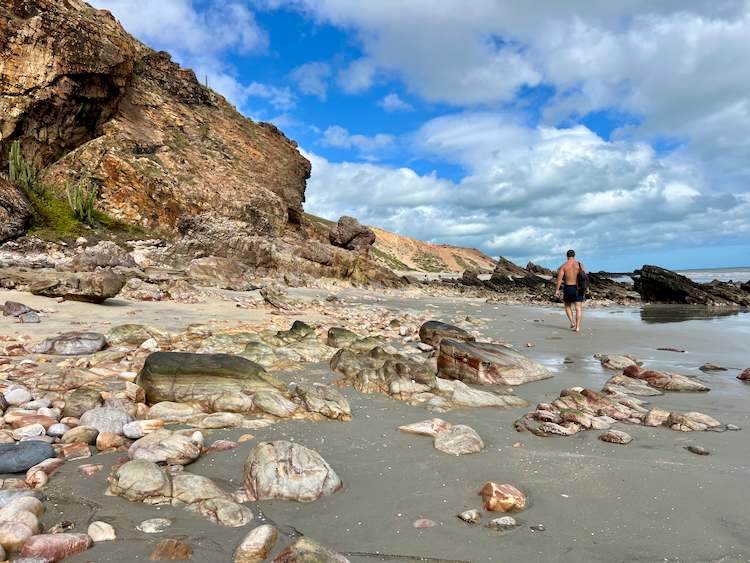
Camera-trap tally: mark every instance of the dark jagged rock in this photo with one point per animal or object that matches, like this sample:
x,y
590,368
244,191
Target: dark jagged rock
x,y
471,277
539,270
352,235
660,285
15,211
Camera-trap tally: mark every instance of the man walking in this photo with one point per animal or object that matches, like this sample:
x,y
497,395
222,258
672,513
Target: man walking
x,y
574,289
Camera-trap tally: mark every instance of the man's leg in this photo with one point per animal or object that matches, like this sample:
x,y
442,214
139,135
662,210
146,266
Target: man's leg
x,y
569,312
579,315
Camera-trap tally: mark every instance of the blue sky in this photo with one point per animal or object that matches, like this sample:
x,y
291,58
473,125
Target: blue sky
x,y
619,129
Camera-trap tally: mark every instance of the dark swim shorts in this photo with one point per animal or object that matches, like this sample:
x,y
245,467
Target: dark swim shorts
x,y
570,294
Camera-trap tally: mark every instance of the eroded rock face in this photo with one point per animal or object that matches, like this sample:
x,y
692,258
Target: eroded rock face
x,y
15,211
352,235
104,254
202,379
110,106
220,272
289,471
486,364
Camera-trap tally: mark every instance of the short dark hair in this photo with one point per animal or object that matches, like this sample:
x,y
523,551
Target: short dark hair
x,y
571,253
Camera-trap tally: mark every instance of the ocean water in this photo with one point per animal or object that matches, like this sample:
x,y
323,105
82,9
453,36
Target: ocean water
x,y
707,275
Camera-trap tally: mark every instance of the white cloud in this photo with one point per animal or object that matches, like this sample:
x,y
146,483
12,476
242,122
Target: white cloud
x,y
279,98
532,192
196,38
339,137
393,102
312,78
357,77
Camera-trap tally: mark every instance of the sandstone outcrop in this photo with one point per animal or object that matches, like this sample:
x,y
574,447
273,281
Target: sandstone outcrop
x,y
155,141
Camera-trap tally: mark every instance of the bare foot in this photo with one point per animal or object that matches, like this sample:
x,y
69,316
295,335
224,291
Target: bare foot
x,y
578,329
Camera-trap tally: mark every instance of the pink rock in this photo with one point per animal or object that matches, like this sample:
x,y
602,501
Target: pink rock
x,y
55,547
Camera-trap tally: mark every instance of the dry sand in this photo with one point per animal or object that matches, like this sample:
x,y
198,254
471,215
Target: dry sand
x,y
648,501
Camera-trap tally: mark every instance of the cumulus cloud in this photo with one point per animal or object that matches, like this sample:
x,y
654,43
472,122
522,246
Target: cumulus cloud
x,y
312,78
339,137
532,192
279,98
393,102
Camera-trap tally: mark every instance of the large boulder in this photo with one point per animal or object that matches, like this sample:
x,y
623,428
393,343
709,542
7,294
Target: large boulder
x,y
352,235
289,471
660,285
202,380
91,287
105,254
432,332
487,364
72,344
15,211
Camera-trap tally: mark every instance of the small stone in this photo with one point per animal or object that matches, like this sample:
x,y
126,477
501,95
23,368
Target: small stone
x,y
745,375
502,498
537,528
171,550
424,523
459,440
55,547
503,523
109,441
17,396
697,450
707,367
733,427
256,545
470,516
154,525
89,469
76,450
616,437
101,531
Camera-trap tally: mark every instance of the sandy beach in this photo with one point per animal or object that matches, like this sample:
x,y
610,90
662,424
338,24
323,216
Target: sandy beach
x,y
650,500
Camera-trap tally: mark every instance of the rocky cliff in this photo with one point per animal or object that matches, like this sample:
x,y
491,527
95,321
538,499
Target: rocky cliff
x,y
88,101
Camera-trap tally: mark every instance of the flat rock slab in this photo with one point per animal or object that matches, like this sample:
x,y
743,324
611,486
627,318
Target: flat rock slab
x,y
202,379
487,364
290,471
665,380
90,287
72,344
55,547
17,458
433,332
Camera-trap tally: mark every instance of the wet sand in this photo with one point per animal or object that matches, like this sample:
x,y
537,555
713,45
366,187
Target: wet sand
x,y
648,501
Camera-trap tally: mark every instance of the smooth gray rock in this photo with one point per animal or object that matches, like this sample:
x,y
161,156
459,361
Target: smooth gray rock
x,y
16,458
72,344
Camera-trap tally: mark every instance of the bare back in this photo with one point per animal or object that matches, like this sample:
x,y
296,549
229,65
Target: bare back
x,y
570,272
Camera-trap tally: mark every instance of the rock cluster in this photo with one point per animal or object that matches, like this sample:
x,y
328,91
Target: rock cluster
x,y
659,285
